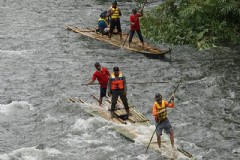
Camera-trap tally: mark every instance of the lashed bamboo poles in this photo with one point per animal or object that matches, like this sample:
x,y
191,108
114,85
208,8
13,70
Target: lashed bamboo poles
x,y
136,117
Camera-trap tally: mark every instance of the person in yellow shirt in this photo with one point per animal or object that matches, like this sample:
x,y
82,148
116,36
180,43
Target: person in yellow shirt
x,y
114,13
160,114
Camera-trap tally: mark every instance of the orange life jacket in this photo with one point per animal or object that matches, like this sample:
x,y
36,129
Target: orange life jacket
x,y
163,115
117,83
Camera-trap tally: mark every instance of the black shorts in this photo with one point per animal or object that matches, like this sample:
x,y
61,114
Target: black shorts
x,y
115,23
103,92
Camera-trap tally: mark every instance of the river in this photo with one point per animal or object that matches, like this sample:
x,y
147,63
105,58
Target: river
x,y
42,65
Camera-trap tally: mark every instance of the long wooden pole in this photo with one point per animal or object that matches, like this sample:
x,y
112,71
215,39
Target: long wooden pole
x,y
129,83
147,82
151,138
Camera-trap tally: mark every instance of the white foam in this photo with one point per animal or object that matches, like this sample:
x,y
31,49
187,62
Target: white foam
x,y
179,125
236,151
81,124
14,107
142,157
52,151
143,133
51,120
186,102
19,53
231,94
81,141
31,153
108,148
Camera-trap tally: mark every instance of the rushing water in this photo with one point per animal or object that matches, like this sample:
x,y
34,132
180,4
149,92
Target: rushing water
x,y
42,65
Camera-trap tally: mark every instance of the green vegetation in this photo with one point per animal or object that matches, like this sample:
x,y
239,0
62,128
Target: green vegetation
x,y
203,23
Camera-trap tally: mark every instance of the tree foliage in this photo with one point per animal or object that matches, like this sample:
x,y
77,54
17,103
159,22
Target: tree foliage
x,y
204,23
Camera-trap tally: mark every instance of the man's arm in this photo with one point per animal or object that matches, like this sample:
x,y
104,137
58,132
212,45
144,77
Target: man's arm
x,y
170,105
94,77
154,111
140,12
109,12
90,82
120,13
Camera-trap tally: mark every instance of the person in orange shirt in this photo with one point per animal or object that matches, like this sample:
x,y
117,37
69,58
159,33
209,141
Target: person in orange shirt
x,y
159,111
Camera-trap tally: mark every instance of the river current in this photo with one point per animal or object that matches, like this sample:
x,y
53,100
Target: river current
x,y
42,65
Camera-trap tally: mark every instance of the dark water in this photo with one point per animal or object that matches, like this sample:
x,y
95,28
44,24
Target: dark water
x,y
42,64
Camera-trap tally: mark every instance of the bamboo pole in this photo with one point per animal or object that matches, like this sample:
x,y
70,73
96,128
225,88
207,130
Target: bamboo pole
x,y
72,100
84,84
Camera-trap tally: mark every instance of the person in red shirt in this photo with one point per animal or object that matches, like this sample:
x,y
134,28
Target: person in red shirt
x,y
135,26
102,75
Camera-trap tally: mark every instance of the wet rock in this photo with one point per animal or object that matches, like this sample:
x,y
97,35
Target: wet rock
x,y
40,146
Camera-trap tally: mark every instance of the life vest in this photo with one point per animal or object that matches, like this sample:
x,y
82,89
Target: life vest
x,y
102,19
163,115
117,83
115,12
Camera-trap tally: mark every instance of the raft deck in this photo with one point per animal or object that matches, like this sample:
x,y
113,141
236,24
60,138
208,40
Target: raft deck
x,y
136,45
134,127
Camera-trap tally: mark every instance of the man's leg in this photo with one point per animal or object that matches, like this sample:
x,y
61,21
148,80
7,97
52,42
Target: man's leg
x,y
103,92
106,31
131,33
120,34
159,141
172,138
141,37
159,132
125,103
114,102
119,29
100,101
168,129
112,26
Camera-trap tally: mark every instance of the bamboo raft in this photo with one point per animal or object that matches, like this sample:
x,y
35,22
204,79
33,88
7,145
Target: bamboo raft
x,y
129,128
136,45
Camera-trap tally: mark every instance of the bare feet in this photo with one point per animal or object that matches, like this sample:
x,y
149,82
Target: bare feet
x,y
174,153
143,46
112,115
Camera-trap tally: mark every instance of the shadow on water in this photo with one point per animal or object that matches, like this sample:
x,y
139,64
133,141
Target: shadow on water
x,y
166,57
163,57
